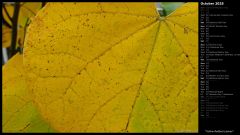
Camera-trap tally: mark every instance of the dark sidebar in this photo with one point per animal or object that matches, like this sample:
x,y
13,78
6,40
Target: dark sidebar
x,y
219,67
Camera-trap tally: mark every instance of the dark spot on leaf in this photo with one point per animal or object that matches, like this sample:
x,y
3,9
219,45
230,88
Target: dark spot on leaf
x,y
99,63
185,31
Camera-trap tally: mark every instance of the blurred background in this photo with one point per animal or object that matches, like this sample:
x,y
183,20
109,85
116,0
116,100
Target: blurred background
x,y
16,17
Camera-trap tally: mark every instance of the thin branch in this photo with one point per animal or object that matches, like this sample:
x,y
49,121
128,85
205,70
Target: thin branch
x,y
14,28
5,10
6,23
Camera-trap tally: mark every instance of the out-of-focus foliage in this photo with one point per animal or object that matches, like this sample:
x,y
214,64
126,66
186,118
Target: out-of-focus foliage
x,y
6,36
26,12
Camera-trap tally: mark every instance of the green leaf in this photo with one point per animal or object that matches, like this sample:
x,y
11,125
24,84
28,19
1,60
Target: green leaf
x,y
169,7
19,113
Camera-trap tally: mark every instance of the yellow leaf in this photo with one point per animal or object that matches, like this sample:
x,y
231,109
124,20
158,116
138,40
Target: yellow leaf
x,y
6,36
19,114
112,67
